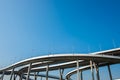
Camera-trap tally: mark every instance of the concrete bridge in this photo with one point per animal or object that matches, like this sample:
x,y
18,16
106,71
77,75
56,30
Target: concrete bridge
x,y
30,69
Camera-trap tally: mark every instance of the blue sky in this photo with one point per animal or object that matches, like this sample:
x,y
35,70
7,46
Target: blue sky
x,y
31,28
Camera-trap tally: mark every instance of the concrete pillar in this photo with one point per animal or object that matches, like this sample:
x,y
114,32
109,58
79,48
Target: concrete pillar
x,y
15,76
11,75
92,72
110,74
81,75
35,75
29,69
78,73
61,73
47,70
41,78
96,70
97,67
20,76
2,77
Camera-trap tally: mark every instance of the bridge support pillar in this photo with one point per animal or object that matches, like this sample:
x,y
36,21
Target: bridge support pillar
x,y
92,72
2,77
20,76
96,70
47,70
41,78
110,74
81,75
11,75
78,73
36,75
29,69
61,73
15,76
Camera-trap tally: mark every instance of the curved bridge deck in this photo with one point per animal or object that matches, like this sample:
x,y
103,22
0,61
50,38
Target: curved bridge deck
x,y
30,69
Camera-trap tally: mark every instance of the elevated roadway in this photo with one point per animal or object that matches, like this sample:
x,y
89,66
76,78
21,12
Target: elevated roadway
x,y
61,62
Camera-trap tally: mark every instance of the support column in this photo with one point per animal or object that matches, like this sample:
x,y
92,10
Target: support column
x,y
92,72
15,76
110,74
11,75
29,69
47,70
41,78
2,77
96,70
81,75
20,76
61,73
78,73
97,67
35,75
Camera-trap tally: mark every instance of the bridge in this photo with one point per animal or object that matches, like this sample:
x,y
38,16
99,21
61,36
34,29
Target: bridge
x,y
32,68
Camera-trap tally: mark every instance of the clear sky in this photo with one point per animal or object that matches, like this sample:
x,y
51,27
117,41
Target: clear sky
x,y
37,27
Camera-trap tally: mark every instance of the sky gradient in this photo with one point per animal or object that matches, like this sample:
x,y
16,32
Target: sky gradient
x,y
31,28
